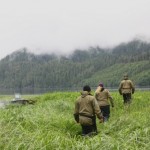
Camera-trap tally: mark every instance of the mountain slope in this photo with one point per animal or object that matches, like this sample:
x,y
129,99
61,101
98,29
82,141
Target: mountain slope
x,y
23,71
139,72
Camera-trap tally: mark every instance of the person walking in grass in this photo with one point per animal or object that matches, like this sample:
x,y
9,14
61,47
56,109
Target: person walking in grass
x,y
126,89
104,100
86,110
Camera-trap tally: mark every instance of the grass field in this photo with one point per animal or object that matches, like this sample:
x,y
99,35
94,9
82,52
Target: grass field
x,y
49,125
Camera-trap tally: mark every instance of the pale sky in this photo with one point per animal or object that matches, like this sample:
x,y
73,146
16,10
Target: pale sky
x,y
64,25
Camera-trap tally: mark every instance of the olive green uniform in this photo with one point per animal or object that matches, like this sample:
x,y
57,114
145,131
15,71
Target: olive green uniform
x,y
126,88
86,105
104,100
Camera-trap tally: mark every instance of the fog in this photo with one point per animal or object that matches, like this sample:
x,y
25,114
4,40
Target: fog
x,y
61,26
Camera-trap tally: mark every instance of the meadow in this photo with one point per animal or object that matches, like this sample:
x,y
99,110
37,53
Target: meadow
x,y
49,124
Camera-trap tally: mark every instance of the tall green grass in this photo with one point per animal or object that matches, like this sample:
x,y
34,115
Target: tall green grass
x,y
49,125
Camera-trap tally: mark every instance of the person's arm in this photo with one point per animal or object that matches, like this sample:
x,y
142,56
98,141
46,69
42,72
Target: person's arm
x,y
133,88
76,112
112,102
111,99
97,110
76,117
120,88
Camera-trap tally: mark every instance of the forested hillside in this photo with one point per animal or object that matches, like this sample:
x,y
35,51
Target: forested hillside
x,y
23,71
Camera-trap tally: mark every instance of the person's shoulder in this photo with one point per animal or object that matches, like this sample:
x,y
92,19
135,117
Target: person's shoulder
x,y
78,98
91,97
122,81
106,90
129,80
98,89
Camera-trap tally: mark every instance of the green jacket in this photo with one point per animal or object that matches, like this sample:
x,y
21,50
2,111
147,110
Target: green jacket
x,y
126,86
104,98
86,105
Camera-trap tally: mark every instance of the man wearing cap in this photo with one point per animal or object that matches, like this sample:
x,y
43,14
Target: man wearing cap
x,y
126,88
104,100
86,107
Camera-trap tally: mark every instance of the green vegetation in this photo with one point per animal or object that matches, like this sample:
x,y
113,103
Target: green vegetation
x,y
24,72
110,75
49,125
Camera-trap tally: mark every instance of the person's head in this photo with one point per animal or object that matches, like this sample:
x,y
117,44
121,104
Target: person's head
x,y
101,84
125,76
87,88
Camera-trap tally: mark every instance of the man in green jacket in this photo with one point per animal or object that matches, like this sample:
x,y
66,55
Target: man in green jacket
x,y
104,100
126,89
86,107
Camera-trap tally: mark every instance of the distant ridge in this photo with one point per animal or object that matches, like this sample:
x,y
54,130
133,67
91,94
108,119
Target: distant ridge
x,y
25,71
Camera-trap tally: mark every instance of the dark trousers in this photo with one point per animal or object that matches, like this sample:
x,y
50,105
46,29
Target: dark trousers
x,y
86,129
126,97
105,111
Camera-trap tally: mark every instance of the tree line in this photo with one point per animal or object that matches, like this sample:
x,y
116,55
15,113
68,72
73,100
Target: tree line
x,y
24,71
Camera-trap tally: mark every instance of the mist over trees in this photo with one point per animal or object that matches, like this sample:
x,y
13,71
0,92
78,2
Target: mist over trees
x,y
23,71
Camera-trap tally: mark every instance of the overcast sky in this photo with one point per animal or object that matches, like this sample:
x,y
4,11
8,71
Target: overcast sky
x,y
65,25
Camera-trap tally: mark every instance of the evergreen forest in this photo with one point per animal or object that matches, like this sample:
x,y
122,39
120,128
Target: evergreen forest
x,y
25,72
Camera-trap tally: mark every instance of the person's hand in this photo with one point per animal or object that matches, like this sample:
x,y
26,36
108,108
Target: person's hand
x,y
132,92
120,92
101,120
